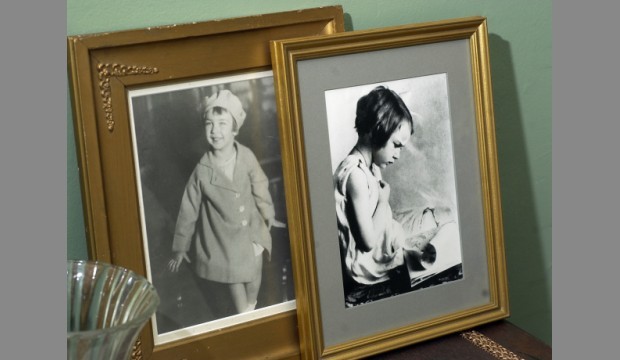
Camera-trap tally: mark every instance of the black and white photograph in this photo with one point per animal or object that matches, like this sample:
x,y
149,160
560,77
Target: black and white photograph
x,y
393,161
212,201
394,187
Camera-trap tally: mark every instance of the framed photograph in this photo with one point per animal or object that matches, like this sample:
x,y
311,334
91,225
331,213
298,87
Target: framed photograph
x,y
390,166
182,181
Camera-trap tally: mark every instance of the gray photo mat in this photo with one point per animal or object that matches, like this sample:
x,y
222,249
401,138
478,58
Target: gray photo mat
x,y
315,76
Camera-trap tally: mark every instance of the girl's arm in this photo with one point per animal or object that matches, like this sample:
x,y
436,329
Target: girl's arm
x,y
260,188
272,222
188,215
186,222
175,263
367,223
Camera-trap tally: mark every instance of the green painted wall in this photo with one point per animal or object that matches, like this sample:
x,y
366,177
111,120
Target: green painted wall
x,y
520,47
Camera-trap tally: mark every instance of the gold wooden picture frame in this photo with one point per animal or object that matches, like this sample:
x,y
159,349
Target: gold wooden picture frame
x,y
136,93
425,281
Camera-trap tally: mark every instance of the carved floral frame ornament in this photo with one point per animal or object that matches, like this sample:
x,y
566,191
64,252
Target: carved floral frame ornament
x,y
102,68
108,71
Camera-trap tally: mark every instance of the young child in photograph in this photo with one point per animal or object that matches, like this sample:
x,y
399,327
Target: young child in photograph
x,y
226,211
372,242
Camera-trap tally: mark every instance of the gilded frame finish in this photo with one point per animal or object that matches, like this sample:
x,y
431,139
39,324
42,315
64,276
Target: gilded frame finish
x,y
102,68
297,63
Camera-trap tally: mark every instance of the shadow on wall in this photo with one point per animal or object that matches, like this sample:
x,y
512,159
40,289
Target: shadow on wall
x,y
348,22
530,301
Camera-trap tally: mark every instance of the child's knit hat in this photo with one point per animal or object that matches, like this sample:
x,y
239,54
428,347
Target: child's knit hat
x,y
227,100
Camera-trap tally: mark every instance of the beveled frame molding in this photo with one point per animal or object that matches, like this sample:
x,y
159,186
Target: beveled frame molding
x,y
287,56
102,67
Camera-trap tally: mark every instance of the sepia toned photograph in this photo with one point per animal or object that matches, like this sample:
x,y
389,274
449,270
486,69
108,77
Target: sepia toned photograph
x,y
394,187
212,202
138,100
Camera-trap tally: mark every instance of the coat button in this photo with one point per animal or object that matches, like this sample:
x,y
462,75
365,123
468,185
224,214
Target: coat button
x,y
244,223
237,195
241,208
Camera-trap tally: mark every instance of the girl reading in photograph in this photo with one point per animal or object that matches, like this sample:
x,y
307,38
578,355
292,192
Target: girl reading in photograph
x,y
372,242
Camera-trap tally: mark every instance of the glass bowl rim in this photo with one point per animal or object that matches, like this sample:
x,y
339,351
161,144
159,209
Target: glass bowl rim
x,y
133,323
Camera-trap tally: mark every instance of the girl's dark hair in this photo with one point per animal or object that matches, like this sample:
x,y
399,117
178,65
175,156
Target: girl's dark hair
x,y
218,110
379,113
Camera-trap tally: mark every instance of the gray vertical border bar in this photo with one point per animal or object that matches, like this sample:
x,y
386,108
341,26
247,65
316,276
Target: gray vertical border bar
x,y
33,182
586,201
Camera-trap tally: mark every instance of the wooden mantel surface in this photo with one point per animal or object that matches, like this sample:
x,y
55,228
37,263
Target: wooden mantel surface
x,y
499,336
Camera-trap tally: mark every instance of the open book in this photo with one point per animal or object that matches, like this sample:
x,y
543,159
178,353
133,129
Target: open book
x,y
447,254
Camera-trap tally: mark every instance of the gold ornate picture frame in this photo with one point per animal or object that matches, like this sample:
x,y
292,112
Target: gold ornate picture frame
x,y
122,84
435,279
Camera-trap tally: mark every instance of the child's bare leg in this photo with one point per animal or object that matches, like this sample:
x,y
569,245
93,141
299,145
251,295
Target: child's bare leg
x,y
239,296
253,287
